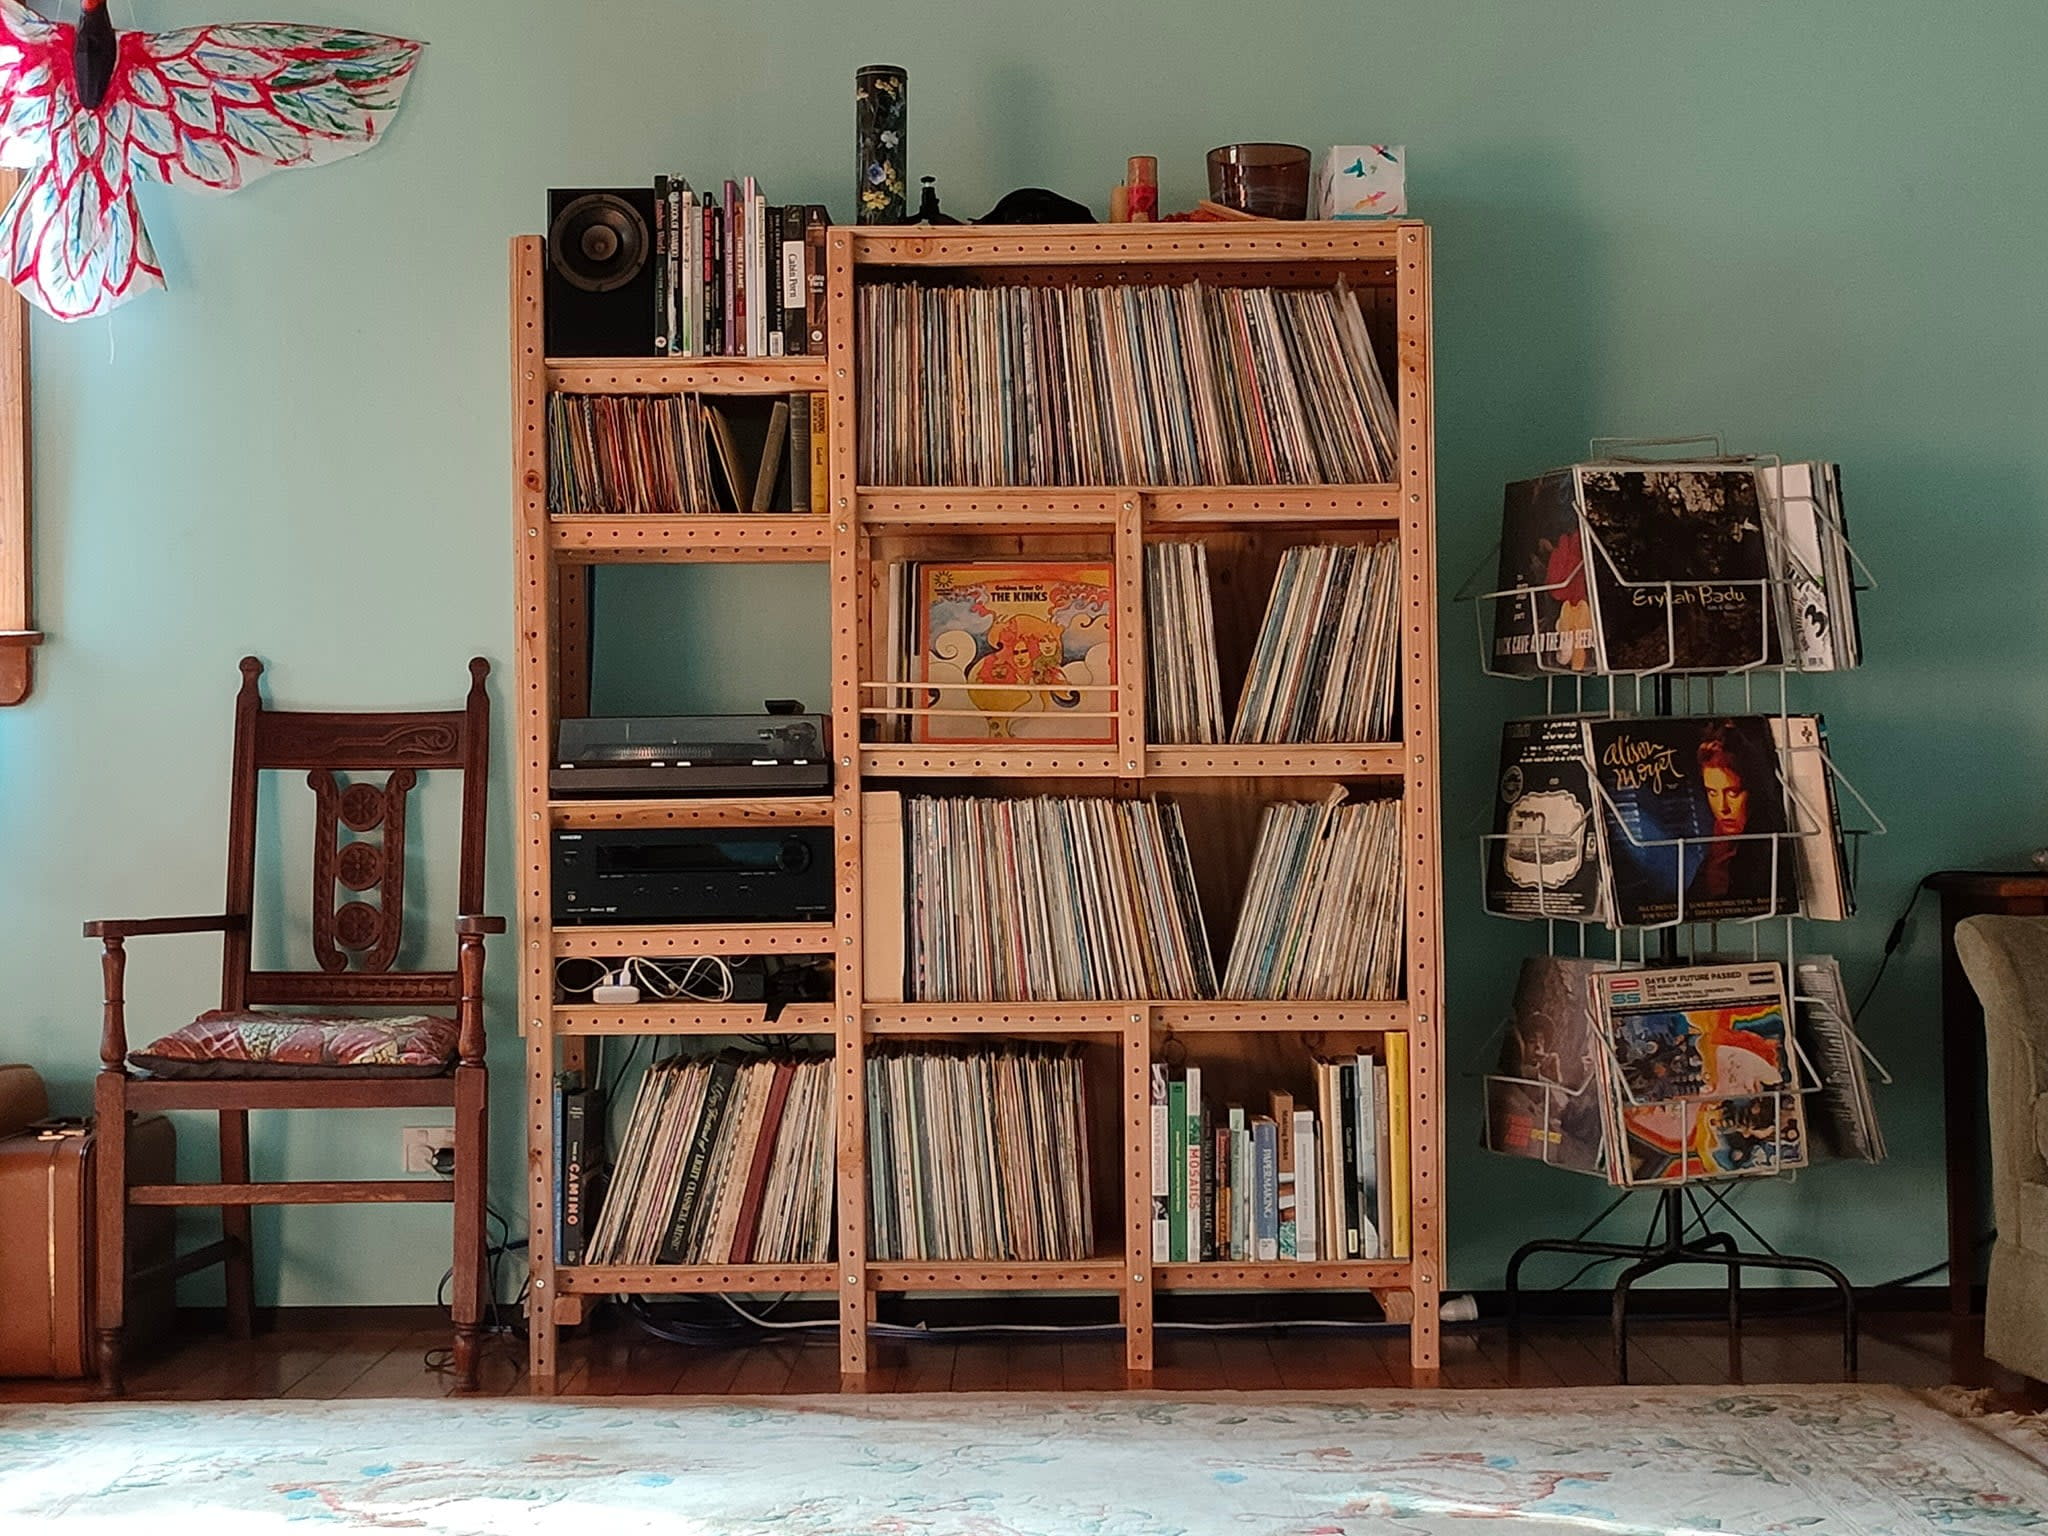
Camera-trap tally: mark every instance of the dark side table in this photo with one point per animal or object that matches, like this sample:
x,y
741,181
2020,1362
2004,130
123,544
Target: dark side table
x,y
1966,893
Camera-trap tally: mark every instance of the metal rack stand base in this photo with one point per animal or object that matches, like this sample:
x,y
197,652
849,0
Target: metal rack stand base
x,y
1674,1248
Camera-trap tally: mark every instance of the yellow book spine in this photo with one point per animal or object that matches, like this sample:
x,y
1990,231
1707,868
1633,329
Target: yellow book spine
x,y
820,416
1401,1186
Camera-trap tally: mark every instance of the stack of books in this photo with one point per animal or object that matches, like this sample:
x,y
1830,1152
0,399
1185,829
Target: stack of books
x,y
725,1160
653,454
1289,1183
735,275
1322,913
979,1154
1187,385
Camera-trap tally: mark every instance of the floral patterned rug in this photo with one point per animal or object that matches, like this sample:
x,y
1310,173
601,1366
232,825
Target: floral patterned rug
x,y
1820,1461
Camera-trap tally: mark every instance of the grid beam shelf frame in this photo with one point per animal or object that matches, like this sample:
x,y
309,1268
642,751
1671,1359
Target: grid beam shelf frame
x,y
552,616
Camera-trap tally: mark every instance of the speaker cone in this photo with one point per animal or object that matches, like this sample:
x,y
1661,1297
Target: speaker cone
x,y
598,243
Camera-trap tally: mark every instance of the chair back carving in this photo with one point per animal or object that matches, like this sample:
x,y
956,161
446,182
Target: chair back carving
x,y
361,768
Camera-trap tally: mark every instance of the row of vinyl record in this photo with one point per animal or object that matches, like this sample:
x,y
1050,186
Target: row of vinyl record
x,y
670,454
1292,1183
1650,1077
1016,651
979,1154
1667,820
1052,899
724,1159
736,275
1120,385
1633,568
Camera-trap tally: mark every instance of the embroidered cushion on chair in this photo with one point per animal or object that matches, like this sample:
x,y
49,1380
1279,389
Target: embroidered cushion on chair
x,y
250,1044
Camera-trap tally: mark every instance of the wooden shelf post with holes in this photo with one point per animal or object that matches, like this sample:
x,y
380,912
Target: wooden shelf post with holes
x,y
1222,788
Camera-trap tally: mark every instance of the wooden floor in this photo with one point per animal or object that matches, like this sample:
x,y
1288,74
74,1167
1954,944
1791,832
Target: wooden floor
x,y
360,1359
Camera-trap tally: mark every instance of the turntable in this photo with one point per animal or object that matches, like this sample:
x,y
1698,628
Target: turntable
x,y
778,753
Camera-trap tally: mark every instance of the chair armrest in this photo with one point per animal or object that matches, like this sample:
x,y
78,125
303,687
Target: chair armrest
x,y
477,923
142,927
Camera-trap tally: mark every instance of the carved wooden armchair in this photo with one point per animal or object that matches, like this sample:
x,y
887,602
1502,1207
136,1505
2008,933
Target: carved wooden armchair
x,y
300,1039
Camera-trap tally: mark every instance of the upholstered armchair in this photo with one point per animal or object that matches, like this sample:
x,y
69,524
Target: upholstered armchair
x,y
2007,962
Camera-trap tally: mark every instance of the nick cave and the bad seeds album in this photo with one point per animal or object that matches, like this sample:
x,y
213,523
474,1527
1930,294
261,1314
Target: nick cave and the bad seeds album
x,y
1680,575
1695,820
1543,859
1543,621
1700,1075
1016,652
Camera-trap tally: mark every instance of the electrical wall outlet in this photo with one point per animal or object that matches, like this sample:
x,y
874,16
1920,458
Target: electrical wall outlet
x,y
418,1144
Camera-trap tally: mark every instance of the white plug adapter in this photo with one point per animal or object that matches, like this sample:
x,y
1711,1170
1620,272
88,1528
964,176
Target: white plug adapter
x,y
614,995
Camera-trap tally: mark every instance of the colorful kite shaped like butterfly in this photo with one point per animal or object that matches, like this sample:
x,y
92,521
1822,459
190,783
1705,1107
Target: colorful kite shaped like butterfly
x,y
85,111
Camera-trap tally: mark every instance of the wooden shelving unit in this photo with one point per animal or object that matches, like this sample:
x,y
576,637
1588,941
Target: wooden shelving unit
x,y
865,525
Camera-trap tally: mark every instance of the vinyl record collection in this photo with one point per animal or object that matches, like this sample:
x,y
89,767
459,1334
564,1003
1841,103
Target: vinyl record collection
x,y
1184,385
1321,917
627,453
1184,704
1328,657
978,1154
1238,1186
642,454
1046,899
725,1160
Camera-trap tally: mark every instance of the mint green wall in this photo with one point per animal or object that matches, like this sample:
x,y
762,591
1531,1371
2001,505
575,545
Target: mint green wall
x,y
1814,227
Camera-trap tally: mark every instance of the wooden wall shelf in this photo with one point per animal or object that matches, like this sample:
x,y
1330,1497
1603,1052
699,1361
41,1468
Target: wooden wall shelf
x,y
1388,264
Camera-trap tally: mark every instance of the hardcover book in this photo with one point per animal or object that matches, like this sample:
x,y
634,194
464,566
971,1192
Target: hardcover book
x,y
1543,859
1693,813
1016,652
1680,568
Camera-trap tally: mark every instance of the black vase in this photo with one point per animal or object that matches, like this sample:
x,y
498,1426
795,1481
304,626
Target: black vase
x,y
878,132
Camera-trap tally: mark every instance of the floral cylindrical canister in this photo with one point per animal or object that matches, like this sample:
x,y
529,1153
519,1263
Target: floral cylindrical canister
x,y
878,130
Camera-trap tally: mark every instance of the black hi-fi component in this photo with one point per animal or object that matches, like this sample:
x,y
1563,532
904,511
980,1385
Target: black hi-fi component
x,y
600,272
694,875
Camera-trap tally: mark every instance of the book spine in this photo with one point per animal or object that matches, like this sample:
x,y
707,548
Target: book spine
x,y
795,286
1266,1182
1240,1250
692,271
577,1149
1162,1162
1216,1189
816,222
1396,1172
799,453
561,1124
1307,1197
820,453
771,287
1347,1079
1191,1172
714,279
1372,1229
755,339
672,308
675,1246
728,279
1287,1234
664,241
1177,1154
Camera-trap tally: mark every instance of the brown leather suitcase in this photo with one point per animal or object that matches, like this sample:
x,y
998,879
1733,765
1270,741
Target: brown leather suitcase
x,y
46,1223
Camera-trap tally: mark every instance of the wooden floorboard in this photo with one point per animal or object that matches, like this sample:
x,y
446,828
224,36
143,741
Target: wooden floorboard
x,y
1917,1349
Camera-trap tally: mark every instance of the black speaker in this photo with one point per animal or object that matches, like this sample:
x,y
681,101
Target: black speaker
x,y
600,283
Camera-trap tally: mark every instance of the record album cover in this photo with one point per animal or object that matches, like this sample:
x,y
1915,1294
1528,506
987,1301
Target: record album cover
x,y
1543,859
1543,621
1544,1099
1699,528
1694,816
1700,1077
1018,652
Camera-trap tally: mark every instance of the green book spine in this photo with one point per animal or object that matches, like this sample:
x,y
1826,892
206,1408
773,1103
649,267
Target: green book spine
x,y
1177,1161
